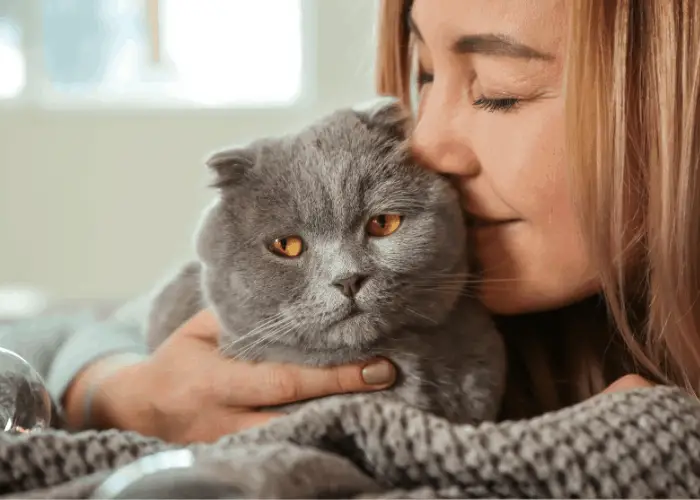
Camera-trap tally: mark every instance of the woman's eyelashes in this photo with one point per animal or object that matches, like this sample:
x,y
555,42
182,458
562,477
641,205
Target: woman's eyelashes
x,y
498,104
424,78
491,105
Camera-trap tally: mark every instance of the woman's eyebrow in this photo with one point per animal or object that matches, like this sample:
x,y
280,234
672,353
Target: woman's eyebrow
x,y
490,44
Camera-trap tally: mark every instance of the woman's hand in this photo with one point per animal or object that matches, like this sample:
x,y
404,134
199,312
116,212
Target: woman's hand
x,y
187,392
628,382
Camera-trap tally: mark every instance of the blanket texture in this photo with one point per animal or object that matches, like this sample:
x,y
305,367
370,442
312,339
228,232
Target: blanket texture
x,y
638,444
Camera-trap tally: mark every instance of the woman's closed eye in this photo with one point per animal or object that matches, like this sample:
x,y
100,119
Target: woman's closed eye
x,y
496,104
424,78
489,104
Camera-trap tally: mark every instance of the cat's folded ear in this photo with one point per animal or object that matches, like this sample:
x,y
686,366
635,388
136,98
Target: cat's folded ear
x,y
387,113
230,165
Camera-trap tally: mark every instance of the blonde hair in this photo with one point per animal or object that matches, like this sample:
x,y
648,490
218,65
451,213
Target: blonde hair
x,y
633,131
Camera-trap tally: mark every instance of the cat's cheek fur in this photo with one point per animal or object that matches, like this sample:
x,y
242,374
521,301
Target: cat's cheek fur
x,y
426,258
209,242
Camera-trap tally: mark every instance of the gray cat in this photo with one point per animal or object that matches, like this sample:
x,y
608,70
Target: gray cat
x,y
331,246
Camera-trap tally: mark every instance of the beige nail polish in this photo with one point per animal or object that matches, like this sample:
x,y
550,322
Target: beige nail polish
x,y
379,373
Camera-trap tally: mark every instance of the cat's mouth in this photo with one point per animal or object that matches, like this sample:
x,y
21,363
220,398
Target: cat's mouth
x,y
353,311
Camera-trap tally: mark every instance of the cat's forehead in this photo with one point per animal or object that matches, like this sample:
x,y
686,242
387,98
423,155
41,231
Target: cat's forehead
x,y
330,175
341,156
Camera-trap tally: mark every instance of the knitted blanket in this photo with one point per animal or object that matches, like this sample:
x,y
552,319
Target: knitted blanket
x,y
638,444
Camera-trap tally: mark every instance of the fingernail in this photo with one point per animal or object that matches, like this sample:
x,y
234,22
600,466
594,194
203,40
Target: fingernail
x,y
378,373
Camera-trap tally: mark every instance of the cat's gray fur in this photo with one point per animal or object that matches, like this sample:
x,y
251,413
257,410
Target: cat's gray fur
x,y
323,184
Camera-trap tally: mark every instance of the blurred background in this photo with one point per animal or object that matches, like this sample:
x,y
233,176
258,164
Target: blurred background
x,y
108,108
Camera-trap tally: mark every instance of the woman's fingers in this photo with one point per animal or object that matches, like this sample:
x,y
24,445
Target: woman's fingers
x,y
186,391
202,326
268,384
250,385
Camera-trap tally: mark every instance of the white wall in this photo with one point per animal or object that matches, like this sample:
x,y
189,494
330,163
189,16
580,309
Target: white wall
x,y
99,204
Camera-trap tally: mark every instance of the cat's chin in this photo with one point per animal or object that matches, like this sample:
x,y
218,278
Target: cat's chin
x,y
357,330
350,340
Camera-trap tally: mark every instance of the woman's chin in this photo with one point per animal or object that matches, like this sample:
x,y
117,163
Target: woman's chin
x,y
525,300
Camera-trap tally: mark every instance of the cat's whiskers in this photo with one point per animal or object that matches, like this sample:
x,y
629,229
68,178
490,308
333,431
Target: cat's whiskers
x,y
461,291
286,323
465,278
270,335
264,336
449,272
246,337
467,273
427,287
284,329
256,348
416,313
257,329
440,282
463,288
457,289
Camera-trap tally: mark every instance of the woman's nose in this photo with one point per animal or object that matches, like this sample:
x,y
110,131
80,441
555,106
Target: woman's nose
x,y
440,138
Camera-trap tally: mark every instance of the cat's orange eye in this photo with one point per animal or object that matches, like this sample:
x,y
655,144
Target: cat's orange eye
x,y
291,246
383,225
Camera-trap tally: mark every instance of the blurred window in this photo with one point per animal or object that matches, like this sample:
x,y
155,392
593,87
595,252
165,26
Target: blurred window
x,y
202,52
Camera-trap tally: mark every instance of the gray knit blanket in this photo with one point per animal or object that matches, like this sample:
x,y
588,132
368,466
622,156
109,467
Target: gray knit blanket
x,y
638,444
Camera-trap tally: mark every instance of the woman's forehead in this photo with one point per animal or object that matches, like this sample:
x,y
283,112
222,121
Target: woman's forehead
x,y
537,24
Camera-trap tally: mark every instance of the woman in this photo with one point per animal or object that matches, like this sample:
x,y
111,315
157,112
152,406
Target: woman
x,y
572,128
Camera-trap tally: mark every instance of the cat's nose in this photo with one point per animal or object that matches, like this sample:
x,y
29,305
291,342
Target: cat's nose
x,y
349,285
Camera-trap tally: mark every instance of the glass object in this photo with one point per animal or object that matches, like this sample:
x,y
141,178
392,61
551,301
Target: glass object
x,y
168,474
25,404
12,63
209,52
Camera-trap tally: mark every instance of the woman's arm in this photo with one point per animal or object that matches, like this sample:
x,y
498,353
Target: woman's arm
x,y
71,352
82,402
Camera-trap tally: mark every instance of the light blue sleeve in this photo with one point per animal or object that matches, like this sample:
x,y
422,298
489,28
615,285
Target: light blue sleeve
x,y
59,347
